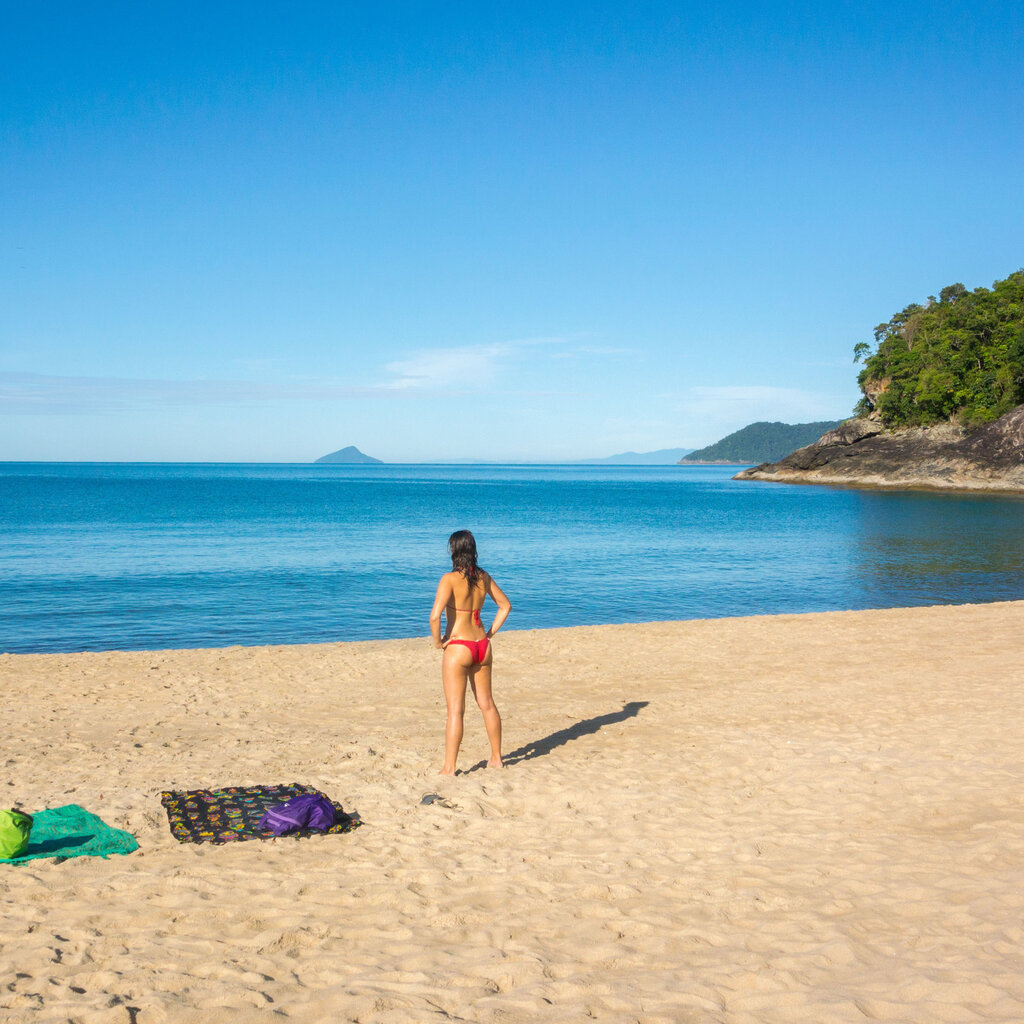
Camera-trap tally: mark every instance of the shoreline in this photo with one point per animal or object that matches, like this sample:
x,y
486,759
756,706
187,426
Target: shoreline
x,y
875,481
774,818
504,633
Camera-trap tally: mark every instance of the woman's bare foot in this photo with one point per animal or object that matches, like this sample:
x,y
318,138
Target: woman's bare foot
x,y
445,771
495,763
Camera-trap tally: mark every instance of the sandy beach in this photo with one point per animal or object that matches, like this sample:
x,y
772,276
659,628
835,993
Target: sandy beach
x,y
814,818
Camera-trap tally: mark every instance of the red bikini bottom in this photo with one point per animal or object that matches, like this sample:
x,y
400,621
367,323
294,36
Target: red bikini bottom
x,y
478,648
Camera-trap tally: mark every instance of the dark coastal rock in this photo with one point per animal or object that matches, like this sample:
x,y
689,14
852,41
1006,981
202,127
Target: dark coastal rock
x,y
851,432
860,451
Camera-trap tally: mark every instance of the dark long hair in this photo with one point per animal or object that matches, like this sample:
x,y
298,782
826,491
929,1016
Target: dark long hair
x,y
462,547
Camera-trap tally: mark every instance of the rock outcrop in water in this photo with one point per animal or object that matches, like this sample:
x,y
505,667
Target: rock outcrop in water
x,y
862,451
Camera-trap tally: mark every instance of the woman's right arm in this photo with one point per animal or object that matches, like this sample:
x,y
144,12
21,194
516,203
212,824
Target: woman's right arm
x,y
503,603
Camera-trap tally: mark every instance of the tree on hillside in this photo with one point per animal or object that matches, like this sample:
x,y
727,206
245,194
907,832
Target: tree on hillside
x,y
961,357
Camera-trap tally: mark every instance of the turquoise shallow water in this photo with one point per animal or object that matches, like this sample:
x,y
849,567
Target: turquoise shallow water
x,y
134,556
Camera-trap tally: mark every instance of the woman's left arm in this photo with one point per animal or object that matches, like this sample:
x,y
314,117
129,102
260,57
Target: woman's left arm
x,y
441,601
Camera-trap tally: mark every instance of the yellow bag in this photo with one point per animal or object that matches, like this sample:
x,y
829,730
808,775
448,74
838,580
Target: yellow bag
x,y
15,827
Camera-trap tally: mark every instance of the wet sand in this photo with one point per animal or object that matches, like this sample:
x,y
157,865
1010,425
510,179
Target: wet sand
x,y
813,818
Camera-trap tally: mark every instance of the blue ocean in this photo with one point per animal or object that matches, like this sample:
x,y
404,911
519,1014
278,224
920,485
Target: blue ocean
x,y
150,556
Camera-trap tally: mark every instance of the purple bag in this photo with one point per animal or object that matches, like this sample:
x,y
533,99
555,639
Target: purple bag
x,y
311,810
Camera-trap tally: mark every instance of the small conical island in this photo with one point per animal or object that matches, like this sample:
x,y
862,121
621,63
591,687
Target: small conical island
x,y
350,456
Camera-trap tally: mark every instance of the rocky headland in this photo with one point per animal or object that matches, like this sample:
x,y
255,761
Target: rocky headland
x,y
863,452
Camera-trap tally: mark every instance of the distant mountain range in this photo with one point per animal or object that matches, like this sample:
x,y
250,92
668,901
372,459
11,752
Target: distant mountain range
x,y
662,457
760,442
754,444
348,456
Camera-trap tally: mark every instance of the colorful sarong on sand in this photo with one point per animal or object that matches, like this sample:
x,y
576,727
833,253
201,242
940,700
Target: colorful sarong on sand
x,y
72,831
233,813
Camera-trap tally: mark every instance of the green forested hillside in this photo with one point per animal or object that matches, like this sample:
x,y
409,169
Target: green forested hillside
x,y
959,357
762,442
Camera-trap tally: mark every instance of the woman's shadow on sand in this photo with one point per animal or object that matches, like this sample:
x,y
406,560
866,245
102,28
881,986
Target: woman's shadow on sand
x,y
538,748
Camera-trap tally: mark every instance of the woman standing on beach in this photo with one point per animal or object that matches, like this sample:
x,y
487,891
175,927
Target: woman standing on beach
x,y
467,645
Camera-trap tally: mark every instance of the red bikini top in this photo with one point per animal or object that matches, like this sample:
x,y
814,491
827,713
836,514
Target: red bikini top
x,y
476,614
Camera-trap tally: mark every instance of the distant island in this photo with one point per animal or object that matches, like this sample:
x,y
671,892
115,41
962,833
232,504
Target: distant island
x,y
759,442
348,456
942,405
661,457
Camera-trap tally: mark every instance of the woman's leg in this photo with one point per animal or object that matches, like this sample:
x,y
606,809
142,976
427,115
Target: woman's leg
x,y
454,673
481,683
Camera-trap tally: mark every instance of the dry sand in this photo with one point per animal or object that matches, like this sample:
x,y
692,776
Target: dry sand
x,y
796,818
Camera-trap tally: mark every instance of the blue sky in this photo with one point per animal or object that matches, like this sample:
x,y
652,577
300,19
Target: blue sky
x,y
261,232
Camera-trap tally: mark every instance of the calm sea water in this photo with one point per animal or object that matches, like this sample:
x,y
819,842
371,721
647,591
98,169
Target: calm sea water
x,y
116,556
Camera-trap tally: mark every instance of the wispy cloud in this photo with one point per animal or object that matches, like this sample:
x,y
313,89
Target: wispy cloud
x,y
46,393
599,352
609,350
425,373
467,367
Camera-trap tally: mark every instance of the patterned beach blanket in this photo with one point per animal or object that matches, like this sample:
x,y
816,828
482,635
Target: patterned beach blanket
x,y
72,831
233,813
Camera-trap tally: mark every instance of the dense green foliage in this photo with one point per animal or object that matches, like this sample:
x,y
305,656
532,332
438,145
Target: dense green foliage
x,y
960,357
762,442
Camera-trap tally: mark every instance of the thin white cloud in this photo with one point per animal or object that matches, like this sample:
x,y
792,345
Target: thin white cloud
x,y
590,351
427,373
47,393
465,367
609,350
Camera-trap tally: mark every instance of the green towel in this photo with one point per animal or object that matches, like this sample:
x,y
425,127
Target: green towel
x,y
71,831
